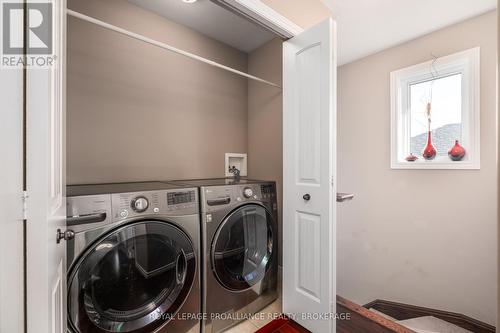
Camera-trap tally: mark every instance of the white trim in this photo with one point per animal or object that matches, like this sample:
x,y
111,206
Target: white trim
x,y
165,46
264,15
11,199
466,63
11,203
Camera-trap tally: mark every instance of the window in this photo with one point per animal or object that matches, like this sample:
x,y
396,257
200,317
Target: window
x,y
440,97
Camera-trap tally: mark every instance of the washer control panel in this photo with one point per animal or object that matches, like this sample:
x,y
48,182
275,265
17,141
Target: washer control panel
x,y
166,202
221,197
88,211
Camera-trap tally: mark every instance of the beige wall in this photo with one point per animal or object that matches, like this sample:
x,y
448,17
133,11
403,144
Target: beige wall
x,y
136,112
424,237
304,13
265,105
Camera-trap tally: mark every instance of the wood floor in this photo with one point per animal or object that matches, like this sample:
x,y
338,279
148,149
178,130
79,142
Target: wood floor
x,y
357,319
282,325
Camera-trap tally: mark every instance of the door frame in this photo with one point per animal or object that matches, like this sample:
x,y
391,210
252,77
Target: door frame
x,y
45,258
12,194
257,12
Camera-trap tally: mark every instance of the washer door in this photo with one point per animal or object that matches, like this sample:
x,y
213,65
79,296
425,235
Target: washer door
x,y
243,247
133,280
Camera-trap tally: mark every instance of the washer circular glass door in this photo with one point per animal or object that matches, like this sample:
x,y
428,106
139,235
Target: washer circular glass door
x,y
134,279
243,246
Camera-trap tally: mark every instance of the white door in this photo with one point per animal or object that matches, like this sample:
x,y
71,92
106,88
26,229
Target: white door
x,y
45,170
309,141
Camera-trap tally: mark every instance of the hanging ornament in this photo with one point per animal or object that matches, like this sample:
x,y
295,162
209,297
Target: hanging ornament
x,y
457,152
429,151
411,158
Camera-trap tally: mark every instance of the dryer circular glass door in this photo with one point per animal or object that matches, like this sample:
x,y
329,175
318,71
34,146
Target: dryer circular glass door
x,y
242,248
134,279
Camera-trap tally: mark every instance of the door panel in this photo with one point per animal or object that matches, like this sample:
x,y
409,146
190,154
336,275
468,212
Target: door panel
x,y
308,254
309,114
45,172
243,247
308,172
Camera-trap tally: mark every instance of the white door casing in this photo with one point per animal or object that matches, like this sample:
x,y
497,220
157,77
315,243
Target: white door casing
x,y
11,206
46,205
309,157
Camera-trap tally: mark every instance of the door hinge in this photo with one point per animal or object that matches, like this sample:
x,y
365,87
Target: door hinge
x,y
25,197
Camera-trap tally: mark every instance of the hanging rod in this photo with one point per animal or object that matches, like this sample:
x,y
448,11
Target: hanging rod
x,y
165,46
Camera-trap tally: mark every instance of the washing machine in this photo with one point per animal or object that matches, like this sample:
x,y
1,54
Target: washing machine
x,y
134,261
240,249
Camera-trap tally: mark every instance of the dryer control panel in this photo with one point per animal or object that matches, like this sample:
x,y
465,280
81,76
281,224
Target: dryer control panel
x,y
216,198
166,202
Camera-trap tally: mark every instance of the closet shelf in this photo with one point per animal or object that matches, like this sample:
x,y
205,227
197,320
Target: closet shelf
x,y
165,46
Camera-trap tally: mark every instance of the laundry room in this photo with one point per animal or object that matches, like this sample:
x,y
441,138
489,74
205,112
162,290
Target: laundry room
x,y
249,166
151,121
138,112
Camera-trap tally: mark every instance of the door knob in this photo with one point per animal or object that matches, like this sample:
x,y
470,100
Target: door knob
x,y
306,197
66,235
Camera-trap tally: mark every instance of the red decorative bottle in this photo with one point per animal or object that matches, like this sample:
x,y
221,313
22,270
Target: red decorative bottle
x,y
429,151
457,152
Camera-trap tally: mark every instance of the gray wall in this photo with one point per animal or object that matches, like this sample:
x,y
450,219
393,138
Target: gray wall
x,y
136,112
424,237
265,105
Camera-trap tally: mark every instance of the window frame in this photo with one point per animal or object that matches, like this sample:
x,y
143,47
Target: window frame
x,y
466,63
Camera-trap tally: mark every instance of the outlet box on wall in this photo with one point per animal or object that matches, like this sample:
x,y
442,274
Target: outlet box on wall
x,y
237,160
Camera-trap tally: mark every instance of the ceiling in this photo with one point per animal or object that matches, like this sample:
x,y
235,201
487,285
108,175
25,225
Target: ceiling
x,y
364,26
212,21
369,26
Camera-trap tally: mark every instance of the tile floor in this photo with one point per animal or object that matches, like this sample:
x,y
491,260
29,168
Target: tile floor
x,y
259,320
264,317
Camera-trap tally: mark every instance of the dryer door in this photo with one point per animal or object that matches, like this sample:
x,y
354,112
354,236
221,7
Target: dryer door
x,y
242,249
132,280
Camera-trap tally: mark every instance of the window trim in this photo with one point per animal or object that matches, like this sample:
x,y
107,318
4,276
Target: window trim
x,y
464,62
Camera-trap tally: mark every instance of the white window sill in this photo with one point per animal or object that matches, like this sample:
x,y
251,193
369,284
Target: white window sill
x,y
439,163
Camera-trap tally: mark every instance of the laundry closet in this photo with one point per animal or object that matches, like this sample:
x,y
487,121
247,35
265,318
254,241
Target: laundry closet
x,y
137,112
158,94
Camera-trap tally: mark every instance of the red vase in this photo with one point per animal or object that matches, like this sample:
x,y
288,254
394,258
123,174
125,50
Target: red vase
x,y
457,152
429,151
